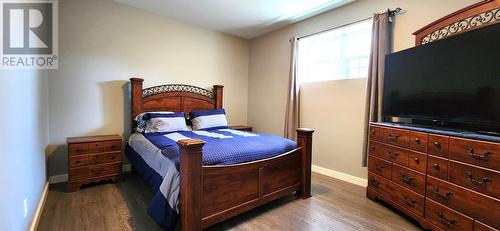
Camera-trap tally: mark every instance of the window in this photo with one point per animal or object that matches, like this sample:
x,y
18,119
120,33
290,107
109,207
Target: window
x,y
337,54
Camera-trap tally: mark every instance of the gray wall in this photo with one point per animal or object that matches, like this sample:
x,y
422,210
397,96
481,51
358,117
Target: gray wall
x,y
334,108
104,43
23,98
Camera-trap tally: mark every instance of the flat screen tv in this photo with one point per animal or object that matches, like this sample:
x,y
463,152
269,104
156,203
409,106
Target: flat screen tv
x,y
453,82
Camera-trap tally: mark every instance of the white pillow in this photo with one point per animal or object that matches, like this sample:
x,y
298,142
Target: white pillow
x,y
171,122
212,119
141,123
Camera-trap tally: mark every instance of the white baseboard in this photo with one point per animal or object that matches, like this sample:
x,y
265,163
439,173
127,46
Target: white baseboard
x,y
39,208
64,177
340,176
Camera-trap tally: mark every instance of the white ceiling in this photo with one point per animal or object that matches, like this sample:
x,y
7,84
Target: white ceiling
x,y
242,18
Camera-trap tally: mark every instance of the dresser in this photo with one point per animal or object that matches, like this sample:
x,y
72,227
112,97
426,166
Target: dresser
x,y
92,159
443,180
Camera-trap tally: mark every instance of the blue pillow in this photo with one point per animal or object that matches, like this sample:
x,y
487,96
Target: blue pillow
x,y
212,119
160,122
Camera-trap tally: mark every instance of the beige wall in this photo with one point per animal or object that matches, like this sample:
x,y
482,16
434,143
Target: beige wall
x,y
103,43
334,108
23,96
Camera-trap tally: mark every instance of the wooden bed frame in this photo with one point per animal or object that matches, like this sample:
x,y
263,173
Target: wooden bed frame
x,y
211,194
473,17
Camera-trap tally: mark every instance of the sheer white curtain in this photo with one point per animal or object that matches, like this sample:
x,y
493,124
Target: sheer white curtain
x,y
292,106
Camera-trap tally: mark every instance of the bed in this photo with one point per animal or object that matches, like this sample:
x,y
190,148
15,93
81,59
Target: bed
x,y
211,187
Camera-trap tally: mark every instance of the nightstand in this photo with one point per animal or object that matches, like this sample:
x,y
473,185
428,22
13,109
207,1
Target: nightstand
x,y
92,159
241,128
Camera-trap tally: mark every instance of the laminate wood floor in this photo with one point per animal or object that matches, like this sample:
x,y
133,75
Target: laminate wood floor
x,y
335,205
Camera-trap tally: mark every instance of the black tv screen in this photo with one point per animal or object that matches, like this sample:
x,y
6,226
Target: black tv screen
x,y
450,82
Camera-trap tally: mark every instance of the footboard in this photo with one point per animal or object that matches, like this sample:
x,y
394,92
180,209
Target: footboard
x,y
210,194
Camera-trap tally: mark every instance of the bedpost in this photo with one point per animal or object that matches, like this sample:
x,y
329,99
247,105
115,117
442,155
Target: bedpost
x,y
218,96
304,140
136,98
191,169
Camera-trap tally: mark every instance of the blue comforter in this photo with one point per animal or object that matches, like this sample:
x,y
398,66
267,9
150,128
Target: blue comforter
x,y
222,147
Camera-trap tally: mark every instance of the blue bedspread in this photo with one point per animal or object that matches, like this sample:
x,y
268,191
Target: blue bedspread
x,y
232,149
222,147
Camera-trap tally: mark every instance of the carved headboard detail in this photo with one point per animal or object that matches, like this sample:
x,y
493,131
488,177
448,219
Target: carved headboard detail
x,y
473,17
172,97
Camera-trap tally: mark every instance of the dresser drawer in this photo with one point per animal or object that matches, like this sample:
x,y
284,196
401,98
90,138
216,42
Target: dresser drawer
x,y
437,167
377,133
479,179
398,137
478,206
78,173
446,218
417,161
396,154
478,226
381,185
377,149
418,141
485,154
409,178
438,145
78,161
412,201
379,166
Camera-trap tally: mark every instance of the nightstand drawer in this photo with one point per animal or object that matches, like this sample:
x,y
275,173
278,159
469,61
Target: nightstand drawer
x,y
82,173
111,146
79,161
107,157
77,149
105,169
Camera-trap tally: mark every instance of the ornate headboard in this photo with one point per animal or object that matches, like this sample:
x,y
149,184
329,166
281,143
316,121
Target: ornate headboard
x,y
173,97
473,17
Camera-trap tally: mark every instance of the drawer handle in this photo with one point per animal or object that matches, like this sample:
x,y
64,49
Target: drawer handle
x,y
485,156
379,167
475,181
113,146
444,196
407,179
373,147
445,221
77,162
436,166
417,140
79,150
372,131
437,144
416,160
393,137
410,202
392,155
374,182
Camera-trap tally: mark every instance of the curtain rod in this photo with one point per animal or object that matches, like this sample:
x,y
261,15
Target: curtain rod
x,y
391,13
